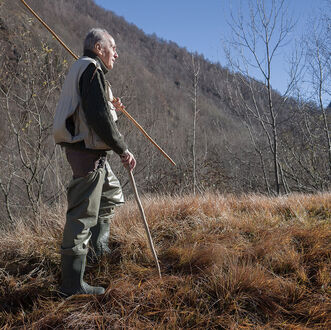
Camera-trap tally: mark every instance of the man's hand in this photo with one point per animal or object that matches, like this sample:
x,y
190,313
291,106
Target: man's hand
x,y
118,104
128,160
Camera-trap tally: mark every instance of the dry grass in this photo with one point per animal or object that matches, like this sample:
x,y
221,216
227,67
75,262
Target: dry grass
x,y
227,262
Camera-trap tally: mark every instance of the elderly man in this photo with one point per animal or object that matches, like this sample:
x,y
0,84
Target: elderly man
x,y
84,125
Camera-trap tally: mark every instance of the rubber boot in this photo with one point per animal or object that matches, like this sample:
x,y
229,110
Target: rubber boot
x,y
73,268
99,241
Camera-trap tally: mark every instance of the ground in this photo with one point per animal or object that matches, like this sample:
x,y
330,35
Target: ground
x,y
226,261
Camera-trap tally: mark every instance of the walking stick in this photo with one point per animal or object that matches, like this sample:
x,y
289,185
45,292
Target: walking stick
x,y
134,187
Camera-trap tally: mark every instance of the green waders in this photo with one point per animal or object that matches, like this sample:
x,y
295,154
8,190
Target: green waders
x,y
92,197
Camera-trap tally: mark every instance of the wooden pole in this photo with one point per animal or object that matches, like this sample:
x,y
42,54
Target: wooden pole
x,y
148,233
76,57
49,29
146,134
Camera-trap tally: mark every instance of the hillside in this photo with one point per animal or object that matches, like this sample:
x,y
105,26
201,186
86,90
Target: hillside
x,y
227,262
153,78
226,151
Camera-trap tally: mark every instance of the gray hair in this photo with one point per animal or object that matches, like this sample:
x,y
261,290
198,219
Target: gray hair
x,y
93,36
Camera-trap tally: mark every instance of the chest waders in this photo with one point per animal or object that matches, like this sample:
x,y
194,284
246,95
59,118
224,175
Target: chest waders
x,y
92,197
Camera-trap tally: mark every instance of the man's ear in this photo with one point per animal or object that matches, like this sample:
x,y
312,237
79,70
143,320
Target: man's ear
x,y
98,48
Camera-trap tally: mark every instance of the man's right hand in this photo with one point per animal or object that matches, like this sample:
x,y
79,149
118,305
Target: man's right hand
x,y
128,160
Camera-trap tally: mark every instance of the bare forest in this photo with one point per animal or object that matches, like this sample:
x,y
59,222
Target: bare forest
x,y
226,131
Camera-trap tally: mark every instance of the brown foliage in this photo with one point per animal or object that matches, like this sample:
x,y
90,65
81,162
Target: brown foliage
x,y
227,262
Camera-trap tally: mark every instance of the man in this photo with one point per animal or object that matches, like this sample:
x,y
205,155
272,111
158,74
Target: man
x,y
84,125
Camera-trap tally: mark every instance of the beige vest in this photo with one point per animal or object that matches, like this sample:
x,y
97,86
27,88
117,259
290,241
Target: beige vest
x,y
70,105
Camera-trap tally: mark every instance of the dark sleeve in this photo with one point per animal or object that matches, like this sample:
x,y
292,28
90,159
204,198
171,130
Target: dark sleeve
x,y
96,109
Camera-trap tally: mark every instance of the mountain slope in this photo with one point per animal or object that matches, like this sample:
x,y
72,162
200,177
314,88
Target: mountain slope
x,y
152,76
155,80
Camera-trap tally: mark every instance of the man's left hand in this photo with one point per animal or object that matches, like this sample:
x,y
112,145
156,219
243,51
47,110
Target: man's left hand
x,y
128,160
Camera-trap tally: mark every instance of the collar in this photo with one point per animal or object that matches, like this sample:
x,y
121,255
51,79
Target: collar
x,y
91,54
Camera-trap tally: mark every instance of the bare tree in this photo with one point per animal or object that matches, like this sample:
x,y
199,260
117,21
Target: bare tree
x,y
257,37
27,152
308,159
318,62
193,68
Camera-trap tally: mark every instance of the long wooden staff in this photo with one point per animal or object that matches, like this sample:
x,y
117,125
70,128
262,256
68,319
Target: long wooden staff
x,y
142,213
76,57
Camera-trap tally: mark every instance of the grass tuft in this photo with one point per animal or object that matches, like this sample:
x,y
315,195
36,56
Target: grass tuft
x,y
227,262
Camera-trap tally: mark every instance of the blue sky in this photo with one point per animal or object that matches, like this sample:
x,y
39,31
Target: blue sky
x,y
200,25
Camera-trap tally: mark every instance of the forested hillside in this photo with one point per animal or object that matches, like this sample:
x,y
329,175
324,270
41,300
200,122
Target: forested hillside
x,y
196,110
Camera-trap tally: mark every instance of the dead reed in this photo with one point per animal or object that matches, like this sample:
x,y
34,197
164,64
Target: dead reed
x,y
227,262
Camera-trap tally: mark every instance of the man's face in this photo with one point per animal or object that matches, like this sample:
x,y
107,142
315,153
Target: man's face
x,y
107,52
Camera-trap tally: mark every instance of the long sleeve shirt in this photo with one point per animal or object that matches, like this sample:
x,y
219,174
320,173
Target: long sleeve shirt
x,y
92,87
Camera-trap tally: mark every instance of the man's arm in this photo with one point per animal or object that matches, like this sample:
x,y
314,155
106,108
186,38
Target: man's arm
x,y
95,106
